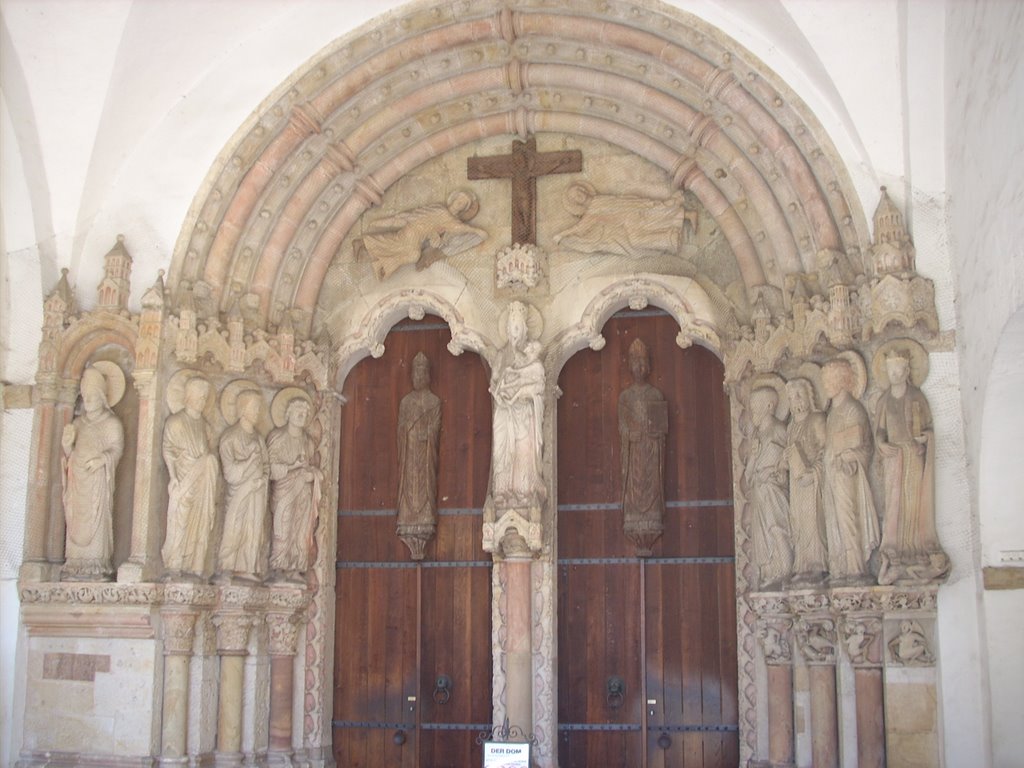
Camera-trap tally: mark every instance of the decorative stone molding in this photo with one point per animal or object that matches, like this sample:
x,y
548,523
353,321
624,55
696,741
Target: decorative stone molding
x,y
520,267
513,535
411,303
179,632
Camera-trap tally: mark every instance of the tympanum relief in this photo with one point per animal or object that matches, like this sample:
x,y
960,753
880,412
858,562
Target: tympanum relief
x,y
419,428
92,445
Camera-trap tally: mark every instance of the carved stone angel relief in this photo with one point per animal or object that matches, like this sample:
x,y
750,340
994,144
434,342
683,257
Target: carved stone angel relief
x,y
421,236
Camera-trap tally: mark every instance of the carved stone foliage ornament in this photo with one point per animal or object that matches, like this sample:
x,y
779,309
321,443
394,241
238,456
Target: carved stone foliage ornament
x,y
421,236
92,445
905,440
296,485
643,427
419,428
244,545
194,475
233,632
910,646
179,631
283,633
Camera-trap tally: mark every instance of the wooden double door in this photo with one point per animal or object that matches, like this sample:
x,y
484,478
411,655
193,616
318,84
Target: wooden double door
x,y
646,646
412,639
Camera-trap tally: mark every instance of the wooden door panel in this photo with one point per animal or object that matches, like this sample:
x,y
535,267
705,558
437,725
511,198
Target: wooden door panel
x,y
398,622
676,610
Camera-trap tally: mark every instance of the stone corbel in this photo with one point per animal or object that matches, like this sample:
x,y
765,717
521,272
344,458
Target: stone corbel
x,y
514,534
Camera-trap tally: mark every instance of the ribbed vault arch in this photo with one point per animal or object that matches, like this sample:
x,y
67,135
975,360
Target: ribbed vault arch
x,y
405,89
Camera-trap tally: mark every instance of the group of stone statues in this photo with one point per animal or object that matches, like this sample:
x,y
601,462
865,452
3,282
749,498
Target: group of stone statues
x,y
271,487
815,518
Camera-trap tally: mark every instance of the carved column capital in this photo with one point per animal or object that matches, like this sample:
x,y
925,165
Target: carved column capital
x,y
233,632
774,636
910,642
179,632
816,638
283,633
861,637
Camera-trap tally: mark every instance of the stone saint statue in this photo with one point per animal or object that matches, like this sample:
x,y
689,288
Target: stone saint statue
x,y
92,445
623,225
295,485
244,540
910,551
766,476
851,522
421,235
419,426
192,490
643,426
517,386
805,447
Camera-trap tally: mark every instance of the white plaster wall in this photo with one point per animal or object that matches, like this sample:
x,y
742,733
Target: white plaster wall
x,y
114,111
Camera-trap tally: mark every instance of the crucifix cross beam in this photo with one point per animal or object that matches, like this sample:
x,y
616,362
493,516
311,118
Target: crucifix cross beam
x,y
523,167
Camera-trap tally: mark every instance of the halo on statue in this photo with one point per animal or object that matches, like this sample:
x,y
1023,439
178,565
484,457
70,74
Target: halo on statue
x,y
812,372
534,323
578,196
229,403
463,203
175,395
279,407
908,348
860,372
113,378
773,381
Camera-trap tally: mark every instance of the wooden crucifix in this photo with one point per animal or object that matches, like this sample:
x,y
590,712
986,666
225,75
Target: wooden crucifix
x,y
523,167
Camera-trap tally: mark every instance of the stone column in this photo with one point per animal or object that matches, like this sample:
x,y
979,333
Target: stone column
x,y
179,628
862,642
141,562
816,638
35,566
519,642
774,634
232,644
284,633
55,525
911,696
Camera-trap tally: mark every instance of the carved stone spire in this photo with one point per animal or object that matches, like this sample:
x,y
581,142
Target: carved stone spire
x,y
892,251
115,286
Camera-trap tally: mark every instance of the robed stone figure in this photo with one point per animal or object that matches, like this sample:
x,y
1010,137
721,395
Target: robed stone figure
x,y
419,427
296,483
643,427
767,480
192,489
851,522
910,550
245,544
92,447
805,448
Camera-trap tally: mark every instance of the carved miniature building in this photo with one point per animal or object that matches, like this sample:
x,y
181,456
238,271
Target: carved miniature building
x,y
288,583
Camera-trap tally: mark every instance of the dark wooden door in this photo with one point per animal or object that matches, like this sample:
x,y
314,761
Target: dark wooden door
x,y
400,625
665,626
